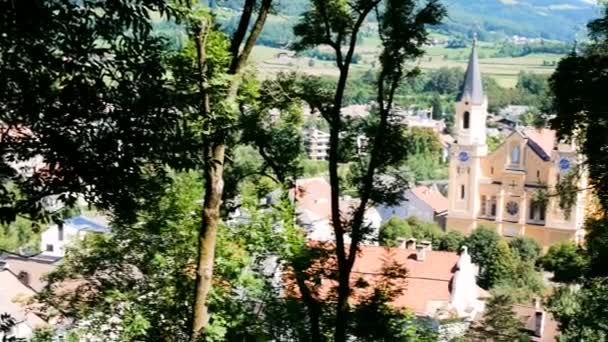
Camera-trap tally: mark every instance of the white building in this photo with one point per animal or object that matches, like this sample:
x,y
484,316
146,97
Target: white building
x,y
57,237
316,143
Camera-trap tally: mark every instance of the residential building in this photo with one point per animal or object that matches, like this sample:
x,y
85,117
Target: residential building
x,y
30,270
316,143
312,198
423,202
538,323
439,287
57,237
14,298
504,189
422,119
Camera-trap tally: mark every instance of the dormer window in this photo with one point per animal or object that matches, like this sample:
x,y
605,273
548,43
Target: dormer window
x,y
466,118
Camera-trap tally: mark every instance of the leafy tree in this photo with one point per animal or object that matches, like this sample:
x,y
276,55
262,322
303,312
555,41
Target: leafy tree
x,y
566,260
211,76
523,283
582,313
102,126
493,143
597,246
482,244
424,230
273,123
526,248
437,107
500,266
580,105
536,84
499,323
452,241
402,30
392,230
152,272
445,81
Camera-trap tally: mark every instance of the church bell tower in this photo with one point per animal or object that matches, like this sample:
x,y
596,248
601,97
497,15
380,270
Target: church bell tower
x,y
471,111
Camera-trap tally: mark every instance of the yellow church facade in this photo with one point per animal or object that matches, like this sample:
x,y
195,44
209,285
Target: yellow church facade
x,y
511,189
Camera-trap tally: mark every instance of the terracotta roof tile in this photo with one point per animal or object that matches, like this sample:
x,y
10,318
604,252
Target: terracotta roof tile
x,y
542,140
13,295
432,197
427,283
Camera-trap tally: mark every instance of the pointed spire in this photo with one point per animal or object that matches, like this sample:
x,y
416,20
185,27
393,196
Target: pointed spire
x,y
472,89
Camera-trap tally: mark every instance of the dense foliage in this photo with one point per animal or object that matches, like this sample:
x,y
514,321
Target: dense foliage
x,y
580,108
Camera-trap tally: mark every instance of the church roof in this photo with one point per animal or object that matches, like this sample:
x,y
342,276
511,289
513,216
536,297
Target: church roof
x,y
541,141
472,88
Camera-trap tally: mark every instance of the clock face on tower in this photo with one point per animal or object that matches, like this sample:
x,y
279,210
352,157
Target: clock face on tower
x,y
463,156
564,164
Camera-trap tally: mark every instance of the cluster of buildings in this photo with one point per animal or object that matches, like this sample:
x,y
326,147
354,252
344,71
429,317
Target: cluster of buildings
x,y
510,188
504,189
501,189
22,277
316,141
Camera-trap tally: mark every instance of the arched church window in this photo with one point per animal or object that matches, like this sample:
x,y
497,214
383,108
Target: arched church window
x,y
515,155
466,118
462,192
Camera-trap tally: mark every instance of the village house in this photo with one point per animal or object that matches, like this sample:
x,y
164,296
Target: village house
x,y
504,189
57,237
316,144
424,202
14,297
312,198
439,288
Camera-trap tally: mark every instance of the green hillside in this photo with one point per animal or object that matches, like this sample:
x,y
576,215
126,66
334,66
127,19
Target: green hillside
x,y
492,19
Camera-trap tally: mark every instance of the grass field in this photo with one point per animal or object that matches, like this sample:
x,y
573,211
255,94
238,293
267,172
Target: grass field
x,y
504,70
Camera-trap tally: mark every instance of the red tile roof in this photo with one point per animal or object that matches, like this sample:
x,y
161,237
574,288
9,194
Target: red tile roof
x,y
427,280
543,138
427,283
526,315
432,197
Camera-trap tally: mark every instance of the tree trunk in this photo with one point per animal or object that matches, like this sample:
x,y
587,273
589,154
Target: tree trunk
x,y
214,186
345,260
214,166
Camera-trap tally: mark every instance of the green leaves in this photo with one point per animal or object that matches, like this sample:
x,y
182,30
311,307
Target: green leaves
x,y
91,92
566,260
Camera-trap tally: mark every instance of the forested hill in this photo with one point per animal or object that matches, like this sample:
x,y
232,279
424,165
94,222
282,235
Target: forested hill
x,y
493,19
550,19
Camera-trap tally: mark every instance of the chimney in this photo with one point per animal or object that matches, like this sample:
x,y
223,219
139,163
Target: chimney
x,y
410,244
427,245
539,323
536,303
420,253
539,317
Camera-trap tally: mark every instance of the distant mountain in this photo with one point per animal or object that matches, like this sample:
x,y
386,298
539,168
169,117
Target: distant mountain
x,y
550,19
492,19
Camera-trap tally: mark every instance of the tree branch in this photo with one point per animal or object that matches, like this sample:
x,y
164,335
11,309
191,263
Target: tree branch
x,y
241,31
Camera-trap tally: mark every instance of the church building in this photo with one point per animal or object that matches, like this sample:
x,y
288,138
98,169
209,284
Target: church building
x,y
503,189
